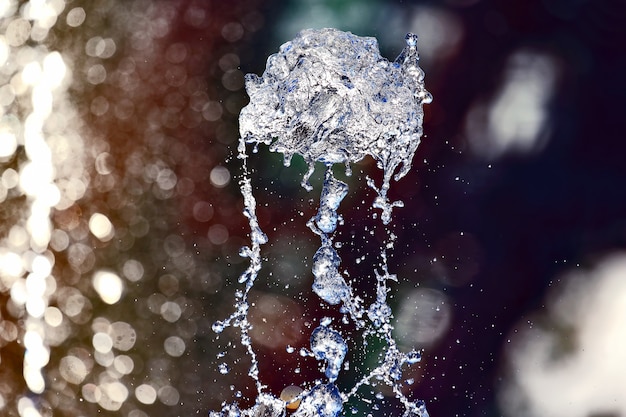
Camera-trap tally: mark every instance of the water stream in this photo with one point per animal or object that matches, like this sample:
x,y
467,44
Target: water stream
x,y
329,97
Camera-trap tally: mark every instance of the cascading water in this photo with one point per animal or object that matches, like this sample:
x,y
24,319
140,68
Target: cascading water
x,y
330,97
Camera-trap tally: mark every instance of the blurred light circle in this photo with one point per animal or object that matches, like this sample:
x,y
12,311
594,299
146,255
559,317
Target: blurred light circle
x,y
101,227
109,286
81,257
91,393
10,178
155,301
137,413
17,32
176,53
196,16
59,240
218,234
166,179
35,307
212,111
73,370
146,394
75,17
124,109
41,265
270,325
170,311
185,187
96,74
104,358
174,346
123,364
123,335
95,46
19,238
11,264
116,391
232,32
203,211
106,48
102,342
229,61
168,284
176,75
5,50
288,394
71,301
139,227
233,80
168,395
34,379
53,316
99,106
174,246
7,95
8,331
220,176
8,144
114,395
133,270
253,21
423,316
19,295
459,258
104,163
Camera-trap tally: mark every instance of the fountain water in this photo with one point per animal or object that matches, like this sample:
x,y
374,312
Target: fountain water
x,y
330,97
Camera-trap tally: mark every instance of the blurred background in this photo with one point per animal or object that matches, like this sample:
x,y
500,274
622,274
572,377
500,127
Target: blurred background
x,y
120,215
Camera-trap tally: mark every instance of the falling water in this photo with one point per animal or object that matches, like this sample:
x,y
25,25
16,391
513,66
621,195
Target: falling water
x,y
329,97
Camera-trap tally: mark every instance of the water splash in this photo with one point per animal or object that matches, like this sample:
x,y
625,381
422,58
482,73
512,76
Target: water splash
x,y
330,97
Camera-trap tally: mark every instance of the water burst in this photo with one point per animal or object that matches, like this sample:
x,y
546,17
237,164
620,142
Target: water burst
x,y
330,97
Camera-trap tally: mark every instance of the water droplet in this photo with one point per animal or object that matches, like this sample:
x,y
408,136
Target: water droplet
x,y
218,327
223,368
328,345
411,39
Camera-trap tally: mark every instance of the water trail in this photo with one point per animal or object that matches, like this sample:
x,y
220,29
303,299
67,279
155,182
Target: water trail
x,y
330,97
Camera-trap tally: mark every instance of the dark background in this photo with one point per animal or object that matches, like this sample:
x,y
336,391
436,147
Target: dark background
x,y
532,215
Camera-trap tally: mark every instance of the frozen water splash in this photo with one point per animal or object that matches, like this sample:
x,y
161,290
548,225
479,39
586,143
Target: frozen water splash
x,y
323,400
329,285
328,345
330,97
333,192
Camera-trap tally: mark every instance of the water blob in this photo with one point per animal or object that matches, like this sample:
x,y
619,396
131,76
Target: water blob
x,y
331,98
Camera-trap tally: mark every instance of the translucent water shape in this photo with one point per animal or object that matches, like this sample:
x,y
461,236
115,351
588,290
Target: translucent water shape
x,y
330,97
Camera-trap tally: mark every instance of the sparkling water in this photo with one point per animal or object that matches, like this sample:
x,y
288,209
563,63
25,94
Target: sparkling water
x,y
331,98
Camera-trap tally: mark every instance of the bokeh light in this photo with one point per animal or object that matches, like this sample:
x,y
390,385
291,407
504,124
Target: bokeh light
x,y
575,350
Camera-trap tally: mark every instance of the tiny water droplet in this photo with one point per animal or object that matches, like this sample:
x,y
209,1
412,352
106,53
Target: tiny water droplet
x,y
223,368
218,327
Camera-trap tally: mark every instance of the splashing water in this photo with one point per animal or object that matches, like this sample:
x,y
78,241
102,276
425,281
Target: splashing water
x,y
330,97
